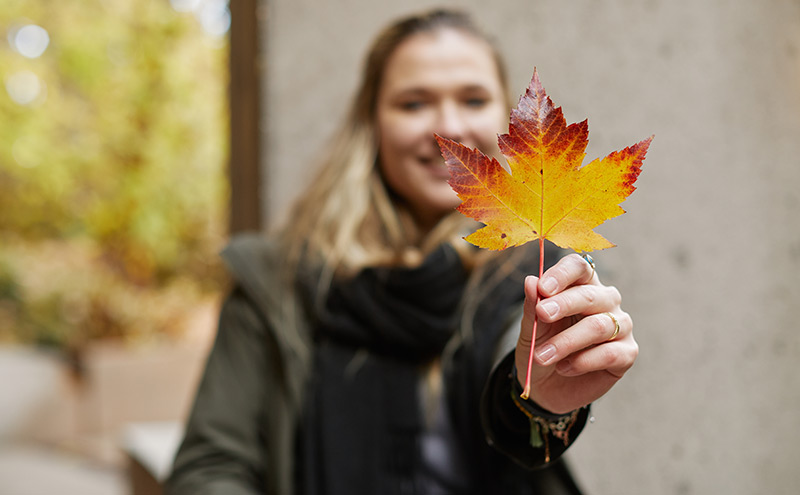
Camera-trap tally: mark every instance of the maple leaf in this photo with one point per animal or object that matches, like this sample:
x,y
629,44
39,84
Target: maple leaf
x,y
548,194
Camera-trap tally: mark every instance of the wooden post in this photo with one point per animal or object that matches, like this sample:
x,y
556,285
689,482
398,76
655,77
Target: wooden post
x,y
245,114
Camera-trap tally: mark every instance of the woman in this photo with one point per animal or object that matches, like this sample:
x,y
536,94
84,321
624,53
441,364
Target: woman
x,y
367,348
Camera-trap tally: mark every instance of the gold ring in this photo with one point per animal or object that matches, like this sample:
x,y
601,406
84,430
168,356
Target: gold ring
x,y
589,260
616,326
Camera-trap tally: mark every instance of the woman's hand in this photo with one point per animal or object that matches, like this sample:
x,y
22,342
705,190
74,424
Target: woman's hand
x,y
576,360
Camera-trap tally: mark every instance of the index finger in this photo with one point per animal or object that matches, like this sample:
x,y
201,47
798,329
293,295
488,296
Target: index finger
x,y
570,270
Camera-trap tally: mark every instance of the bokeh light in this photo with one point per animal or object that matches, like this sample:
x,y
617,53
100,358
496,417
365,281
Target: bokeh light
x,y
185,5
30,40
24,87
213,15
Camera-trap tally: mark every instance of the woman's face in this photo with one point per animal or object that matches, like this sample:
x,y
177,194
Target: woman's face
x,y
443,82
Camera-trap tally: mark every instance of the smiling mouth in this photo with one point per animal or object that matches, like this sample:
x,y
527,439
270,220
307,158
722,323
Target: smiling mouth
x,y
435,165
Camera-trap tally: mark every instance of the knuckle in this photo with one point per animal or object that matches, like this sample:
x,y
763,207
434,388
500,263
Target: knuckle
x,y
575,259
572,263
560,272
611,358
579,299
616,296
626,362
626,320
614,360
634,351
623,359
589,295
598,326
565,344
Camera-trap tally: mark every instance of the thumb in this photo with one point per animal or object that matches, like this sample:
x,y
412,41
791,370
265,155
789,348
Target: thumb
x,y
544,330
529,308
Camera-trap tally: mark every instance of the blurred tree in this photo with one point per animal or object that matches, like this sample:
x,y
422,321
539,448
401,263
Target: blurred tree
x,y
113,141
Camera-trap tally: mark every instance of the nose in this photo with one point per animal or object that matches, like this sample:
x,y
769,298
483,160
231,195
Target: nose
x,y
450,122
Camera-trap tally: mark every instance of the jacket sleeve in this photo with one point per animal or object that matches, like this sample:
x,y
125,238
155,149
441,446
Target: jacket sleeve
x,y
508,424
223,451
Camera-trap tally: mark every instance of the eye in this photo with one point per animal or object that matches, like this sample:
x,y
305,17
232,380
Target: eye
x,y
412,105
475,102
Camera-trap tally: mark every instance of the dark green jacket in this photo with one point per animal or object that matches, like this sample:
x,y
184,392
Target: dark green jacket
x,y
258,367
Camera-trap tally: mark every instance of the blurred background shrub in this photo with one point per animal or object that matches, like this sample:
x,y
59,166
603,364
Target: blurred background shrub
x,y
113,143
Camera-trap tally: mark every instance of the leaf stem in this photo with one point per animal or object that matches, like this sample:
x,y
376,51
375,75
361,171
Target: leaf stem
x,y
527,390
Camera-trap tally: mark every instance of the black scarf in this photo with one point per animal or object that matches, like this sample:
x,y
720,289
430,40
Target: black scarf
x,y
408,314
363,420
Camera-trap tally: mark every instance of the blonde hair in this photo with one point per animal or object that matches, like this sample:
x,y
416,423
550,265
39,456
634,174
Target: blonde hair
x,y
348,219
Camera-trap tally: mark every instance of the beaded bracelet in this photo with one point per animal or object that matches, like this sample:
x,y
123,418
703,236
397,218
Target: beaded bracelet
x,y
543,423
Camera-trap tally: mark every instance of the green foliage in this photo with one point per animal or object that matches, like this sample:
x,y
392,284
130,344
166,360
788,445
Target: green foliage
x,y
112,179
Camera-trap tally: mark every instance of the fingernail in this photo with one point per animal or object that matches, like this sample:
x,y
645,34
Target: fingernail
x,y
551,308
545,354
549,285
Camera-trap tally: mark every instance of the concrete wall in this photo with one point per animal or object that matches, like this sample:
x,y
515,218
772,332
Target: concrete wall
x,y
709,253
